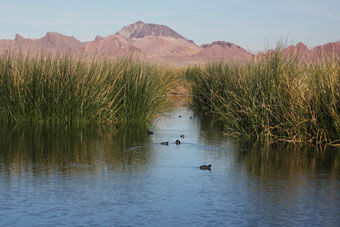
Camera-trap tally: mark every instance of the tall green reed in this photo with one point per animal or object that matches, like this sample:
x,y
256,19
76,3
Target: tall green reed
x,y
145,90
76,89
277,99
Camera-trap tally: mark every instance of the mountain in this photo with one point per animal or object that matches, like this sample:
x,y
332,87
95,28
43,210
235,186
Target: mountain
x,y
221,50
327,49
141,30
23,43
156,43
302,52
98,38
112,45
300,49
52,42
161,46
57,41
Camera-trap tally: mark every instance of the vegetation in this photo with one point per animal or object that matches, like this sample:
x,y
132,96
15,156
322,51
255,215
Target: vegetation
x,y
277,99
71,89
271,100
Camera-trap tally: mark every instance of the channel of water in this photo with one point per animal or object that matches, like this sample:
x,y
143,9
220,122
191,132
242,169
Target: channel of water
x,y
125,177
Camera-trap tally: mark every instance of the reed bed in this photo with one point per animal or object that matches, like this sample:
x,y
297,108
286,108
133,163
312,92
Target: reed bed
x,y
272,100
69,89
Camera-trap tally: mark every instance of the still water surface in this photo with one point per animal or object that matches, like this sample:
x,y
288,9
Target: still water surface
x,y
109,177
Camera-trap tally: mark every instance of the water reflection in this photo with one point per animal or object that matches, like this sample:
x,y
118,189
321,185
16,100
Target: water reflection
x,y
276,160
293,185
210,131
281,161
41,150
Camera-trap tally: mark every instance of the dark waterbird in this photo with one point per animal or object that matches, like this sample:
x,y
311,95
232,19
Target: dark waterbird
x,y
165,143
150,132
205,167
182,136
178,142
9,66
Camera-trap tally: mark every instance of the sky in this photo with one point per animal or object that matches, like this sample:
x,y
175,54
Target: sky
x,y
255,25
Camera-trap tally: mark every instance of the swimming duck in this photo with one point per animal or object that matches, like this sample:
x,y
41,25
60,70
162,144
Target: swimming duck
x,y
165,143
150,132
178,142
205,167
182,136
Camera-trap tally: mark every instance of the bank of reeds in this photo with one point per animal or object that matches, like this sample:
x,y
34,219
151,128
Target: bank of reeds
x,y
70,89
277,99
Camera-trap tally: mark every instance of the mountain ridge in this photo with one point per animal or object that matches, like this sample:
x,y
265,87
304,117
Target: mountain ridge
x,y
158,43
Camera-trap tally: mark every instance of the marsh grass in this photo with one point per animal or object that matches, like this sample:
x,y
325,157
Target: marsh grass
x,y
277,99
145,90
69,89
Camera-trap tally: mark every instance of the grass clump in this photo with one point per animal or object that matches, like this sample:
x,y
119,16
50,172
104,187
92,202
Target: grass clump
x,y
74,90
277,99
145,90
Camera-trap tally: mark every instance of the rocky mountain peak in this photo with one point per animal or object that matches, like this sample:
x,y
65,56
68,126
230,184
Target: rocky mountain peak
x,y
56,35
141,29
221,44
302,46
98,38
60,41
18,38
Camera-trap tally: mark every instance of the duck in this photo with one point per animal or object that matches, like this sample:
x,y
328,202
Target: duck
x,y
9,66
182,136
190,117
179,116
150,132
178,142
206,167
165,143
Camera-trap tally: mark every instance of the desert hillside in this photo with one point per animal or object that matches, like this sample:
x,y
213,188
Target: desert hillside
x,y
157,43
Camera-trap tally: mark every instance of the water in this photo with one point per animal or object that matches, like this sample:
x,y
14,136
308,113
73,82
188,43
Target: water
x,y
123,177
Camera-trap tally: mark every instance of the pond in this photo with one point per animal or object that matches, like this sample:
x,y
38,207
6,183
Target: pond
x,y
125,177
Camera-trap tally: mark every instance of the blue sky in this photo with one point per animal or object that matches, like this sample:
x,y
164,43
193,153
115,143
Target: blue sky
x,y
252,24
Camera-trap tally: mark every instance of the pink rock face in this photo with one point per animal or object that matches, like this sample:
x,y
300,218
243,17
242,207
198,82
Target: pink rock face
x,y
221,50
157,43
301,46
98,38
302,52
60,42
112,45
160,46
327,50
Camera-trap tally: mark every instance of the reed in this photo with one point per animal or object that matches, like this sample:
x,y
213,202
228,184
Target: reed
x,y
277,99
145,90
69,89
